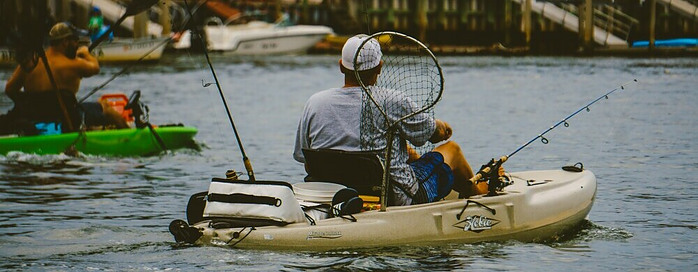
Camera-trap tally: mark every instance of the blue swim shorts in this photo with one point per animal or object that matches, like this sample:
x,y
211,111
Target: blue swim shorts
x,y
435,178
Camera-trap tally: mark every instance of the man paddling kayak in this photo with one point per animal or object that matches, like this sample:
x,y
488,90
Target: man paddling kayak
x,y
331,120
68,63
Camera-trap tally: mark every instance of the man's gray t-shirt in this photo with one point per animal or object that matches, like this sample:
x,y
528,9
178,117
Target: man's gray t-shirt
x,y
332,119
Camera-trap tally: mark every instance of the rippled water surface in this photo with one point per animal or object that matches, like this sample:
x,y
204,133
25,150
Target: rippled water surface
x,y
104,213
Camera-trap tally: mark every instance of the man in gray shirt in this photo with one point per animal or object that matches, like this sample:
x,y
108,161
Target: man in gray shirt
x,y
332,120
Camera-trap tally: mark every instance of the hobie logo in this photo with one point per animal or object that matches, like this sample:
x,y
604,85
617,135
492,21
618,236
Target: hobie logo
x,y
476,223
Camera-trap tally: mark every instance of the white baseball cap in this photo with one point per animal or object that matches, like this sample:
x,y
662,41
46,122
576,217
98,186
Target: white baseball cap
x,y
369,57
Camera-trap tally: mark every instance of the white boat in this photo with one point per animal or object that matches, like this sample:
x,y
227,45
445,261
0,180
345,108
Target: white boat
x,y
538,205
117,50
256,38
127,49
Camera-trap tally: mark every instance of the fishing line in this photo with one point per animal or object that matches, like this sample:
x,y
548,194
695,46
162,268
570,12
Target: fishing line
x,y
245,159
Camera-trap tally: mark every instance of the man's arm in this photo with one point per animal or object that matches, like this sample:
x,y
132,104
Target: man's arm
x,y
302,134
15,83
87,64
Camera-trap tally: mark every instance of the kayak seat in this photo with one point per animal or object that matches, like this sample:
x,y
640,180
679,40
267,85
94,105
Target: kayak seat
x,y
361,170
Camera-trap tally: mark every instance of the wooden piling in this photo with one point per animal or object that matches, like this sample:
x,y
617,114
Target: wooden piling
x,y
588,26
652,25
507,21
140,24
165,20
422,23
527,21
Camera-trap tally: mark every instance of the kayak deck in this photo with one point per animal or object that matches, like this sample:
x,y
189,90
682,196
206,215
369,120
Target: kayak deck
x,y
117,142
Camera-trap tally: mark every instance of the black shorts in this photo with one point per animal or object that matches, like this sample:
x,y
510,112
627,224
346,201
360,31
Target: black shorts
x,y
93,113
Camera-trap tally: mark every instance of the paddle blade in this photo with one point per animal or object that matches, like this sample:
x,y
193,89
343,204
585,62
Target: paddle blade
x,y
138,6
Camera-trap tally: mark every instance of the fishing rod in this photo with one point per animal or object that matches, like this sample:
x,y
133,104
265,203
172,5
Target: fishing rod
x,y
564,120
245,159
494,165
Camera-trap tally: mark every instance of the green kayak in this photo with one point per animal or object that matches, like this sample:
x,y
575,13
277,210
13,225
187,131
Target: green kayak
x,y
117,142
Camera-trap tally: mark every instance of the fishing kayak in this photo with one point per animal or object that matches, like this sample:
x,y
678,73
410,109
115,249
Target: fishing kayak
x,y
539,205
117,142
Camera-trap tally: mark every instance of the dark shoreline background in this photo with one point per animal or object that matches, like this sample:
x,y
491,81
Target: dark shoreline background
x,y
450,27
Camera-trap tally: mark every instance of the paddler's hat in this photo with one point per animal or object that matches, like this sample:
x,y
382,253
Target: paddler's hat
x,y
369,57
64,30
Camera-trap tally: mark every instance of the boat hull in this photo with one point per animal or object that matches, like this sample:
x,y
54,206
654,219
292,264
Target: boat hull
x,y
130,50
262,39
117,142
540,205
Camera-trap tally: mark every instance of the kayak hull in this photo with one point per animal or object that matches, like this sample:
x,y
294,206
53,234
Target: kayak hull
x,y
117,142
539,205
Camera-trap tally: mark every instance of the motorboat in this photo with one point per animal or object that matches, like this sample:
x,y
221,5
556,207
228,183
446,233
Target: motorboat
x,y
258,38
131,50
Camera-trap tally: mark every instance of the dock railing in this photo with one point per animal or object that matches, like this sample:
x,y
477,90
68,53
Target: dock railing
x,y
612,20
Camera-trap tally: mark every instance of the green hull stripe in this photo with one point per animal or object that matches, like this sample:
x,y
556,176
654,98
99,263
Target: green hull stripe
x,y
118,142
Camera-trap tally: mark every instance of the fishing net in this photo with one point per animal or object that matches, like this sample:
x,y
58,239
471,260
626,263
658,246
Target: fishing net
x,y
411,73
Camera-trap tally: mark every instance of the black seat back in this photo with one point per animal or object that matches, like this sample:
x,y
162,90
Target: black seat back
x,y
361,170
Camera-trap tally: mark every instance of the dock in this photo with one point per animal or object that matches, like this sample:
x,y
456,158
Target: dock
x,y
449,27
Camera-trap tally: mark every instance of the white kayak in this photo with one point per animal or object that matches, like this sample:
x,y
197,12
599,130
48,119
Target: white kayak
x,y
538,205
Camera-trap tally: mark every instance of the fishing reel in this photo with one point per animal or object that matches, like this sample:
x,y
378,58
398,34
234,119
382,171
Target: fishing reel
x,y
490,173
140,110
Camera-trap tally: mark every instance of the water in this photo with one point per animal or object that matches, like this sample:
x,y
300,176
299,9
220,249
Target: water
x,y
98,213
